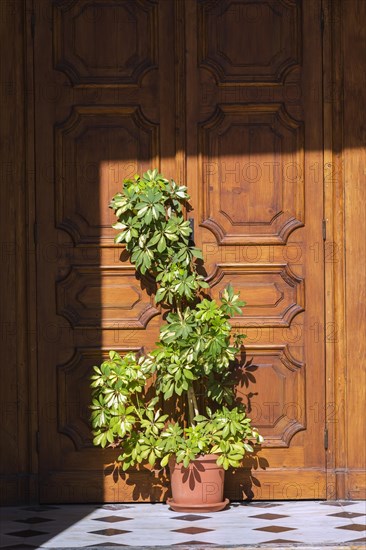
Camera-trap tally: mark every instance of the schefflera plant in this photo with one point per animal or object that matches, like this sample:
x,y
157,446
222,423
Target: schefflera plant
x,y
195,357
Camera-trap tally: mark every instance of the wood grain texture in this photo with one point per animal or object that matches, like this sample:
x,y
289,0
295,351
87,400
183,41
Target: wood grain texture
x,y
254,163
18,405
354,159
344,176
335,245
111,116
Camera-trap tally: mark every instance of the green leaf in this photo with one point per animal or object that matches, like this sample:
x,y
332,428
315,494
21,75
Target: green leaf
x,y
141,213
164,461
200,418
189,374
162,244
152,458
197,253
160,294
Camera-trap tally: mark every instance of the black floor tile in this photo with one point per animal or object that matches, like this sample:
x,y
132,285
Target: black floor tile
x,y
353,527
33,520
265,504
275,529
336,503
346,515
112,519
40,508
104,544
269,516
280,541
27,533
192,530
109,532
117,507
190,517
191,542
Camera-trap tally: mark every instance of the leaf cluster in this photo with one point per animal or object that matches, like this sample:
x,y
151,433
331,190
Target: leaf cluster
x,y
121,417
151,224
197,346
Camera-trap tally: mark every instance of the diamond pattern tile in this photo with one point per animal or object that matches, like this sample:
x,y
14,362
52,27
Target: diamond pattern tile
x,y
18,546
346,515
116,507
190,542
111,519
304,523
280,541
353,527
269,516
265,504
40,508
191,517
27,533
274,529
192,530
33,520
103,545
109,532
336,503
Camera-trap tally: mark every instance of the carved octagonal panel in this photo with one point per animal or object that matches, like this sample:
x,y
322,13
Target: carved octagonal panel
x,y
95,149
105,42
274,393
252,174
74,393
249,41
105,298
273,294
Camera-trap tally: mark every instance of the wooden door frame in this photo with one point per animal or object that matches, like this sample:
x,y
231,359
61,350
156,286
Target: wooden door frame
x,y
343,481
335,305
335,351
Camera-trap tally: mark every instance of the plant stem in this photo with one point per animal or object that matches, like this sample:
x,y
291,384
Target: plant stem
x,y
192,405
179,309
195,405
191,414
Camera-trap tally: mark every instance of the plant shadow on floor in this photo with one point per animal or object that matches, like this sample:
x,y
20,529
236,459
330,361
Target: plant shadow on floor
x,y
243,479
148,485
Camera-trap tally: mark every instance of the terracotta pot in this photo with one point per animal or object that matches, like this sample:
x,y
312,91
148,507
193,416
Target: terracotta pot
x,y
198,488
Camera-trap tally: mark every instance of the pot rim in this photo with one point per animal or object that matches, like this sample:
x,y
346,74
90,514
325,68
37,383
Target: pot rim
x,y
209,457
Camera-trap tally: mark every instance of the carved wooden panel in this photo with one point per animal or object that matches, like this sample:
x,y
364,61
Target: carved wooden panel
x,y
252,173
274,295
274,393
105,298
109,42
74,393
230,31
95,149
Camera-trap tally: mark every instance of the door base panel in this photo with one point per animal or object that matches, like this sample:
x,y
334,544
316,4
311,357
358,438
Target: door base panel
x,y
149,486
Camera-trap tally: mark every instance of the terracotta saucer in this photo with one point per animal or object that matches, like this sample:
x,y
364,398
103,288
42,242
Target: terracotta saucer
x,y
197,508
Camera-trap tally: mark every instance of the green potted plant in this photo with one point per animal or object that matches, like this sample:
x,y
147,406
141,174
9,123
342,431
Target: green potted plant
x,y
192,367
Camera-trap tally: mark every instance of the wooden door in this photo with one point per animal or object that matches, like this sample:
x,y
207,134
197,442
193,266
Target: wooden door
x,y
226,96
254,161
102,73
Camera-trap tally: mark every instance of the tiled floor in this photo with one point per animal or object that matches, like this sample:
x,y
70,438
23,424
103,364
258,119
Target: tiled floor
x,y
117,525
